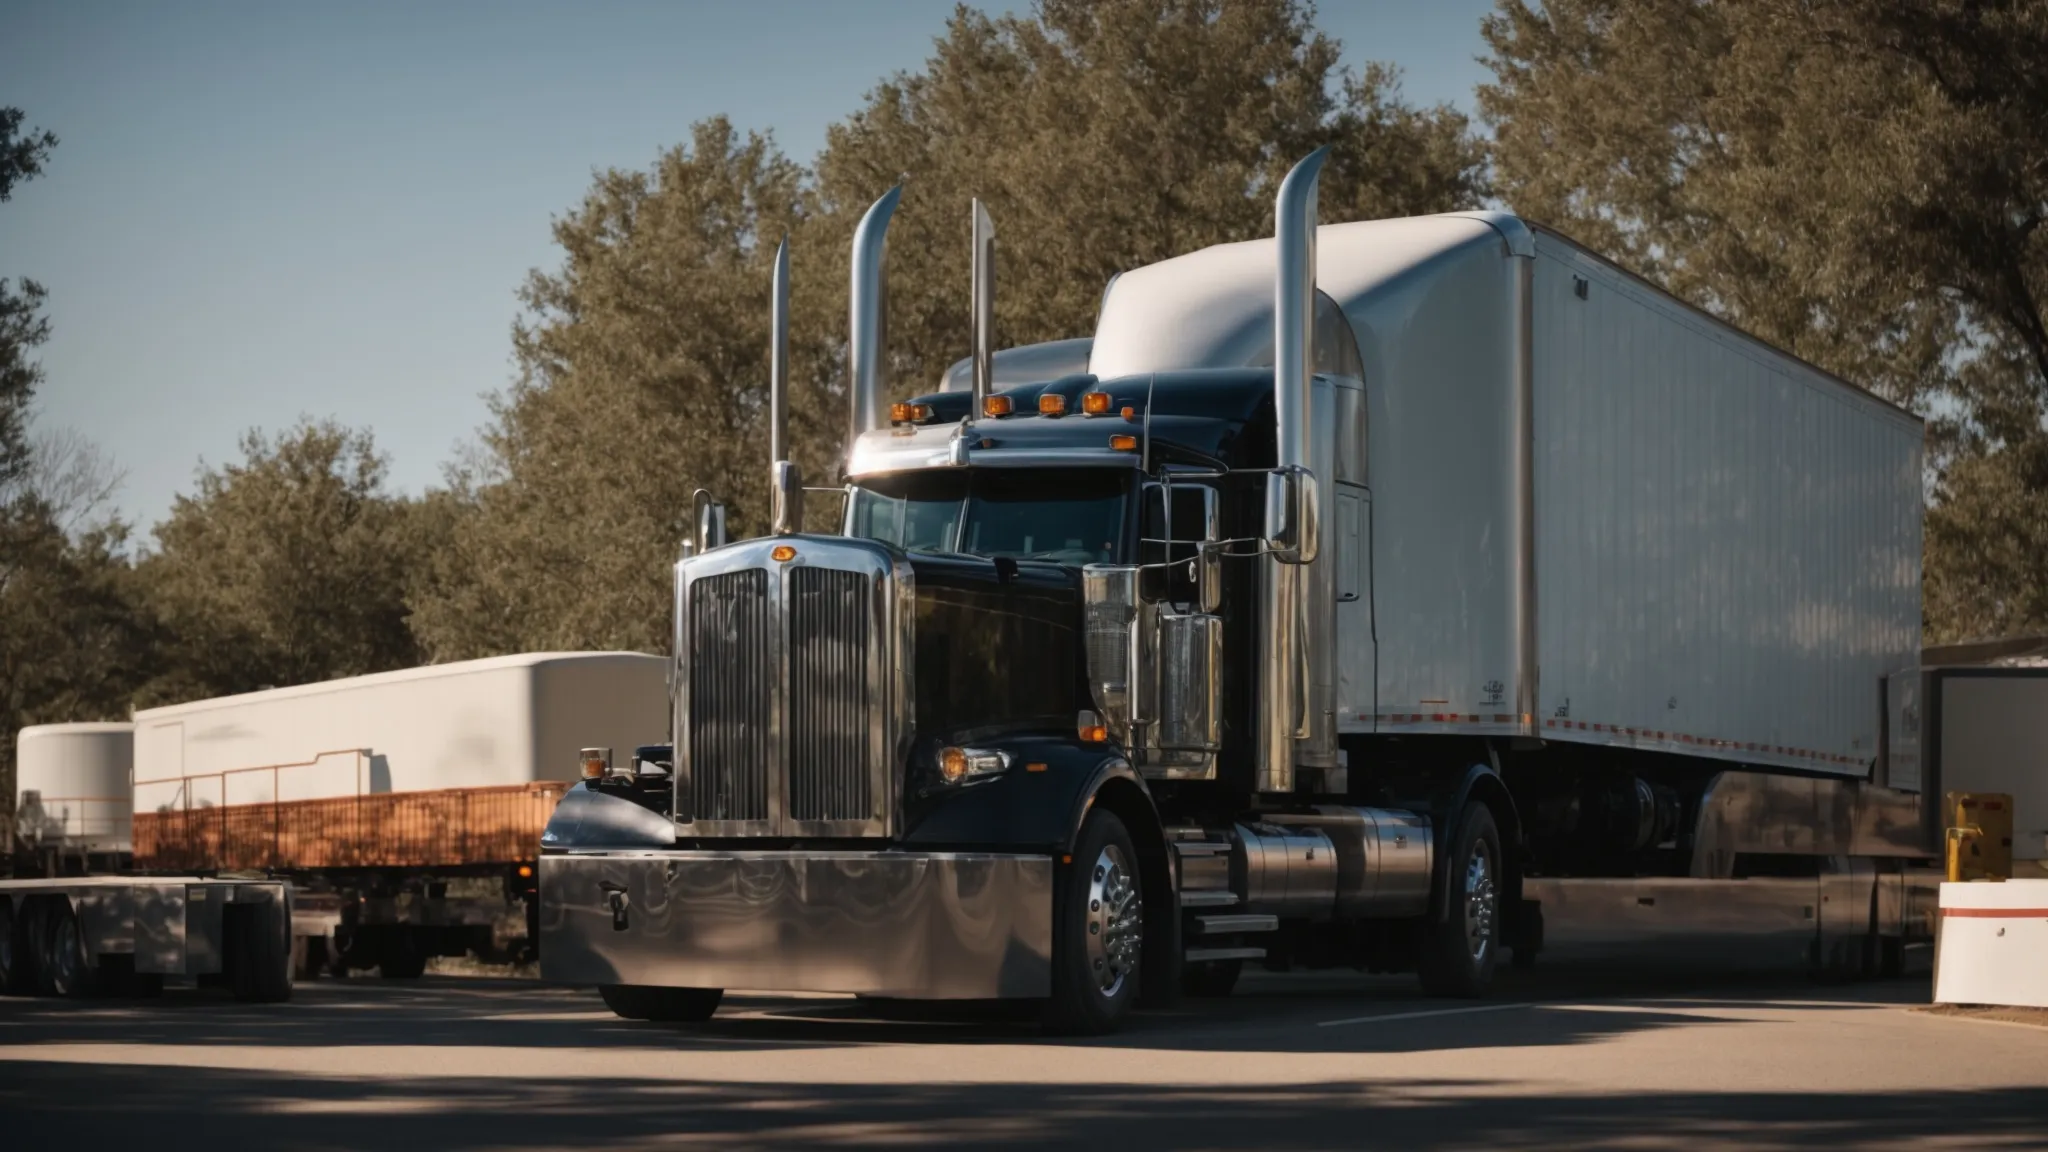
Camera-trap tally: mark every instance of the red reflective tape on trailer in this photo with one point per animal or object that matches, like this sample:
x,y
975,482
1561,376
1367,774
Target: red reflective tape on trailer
x,y
1997,913
1499,719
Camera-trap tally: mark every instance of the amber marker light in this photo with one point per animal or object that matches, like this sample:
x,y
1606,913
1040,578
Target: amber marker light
x,y
1121,443
1034,767
783,553
997,406
1052,405
525,870
1091,729
595,761
900,413
1095,403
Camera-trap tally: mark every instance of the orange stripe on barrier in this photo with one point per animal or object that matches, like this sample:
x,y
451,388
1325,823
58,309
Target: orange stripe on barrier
x,y
1996,913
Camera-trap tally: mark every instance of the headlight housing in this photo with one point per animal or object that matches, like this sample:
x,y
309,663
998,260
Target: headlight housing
x,y
961,765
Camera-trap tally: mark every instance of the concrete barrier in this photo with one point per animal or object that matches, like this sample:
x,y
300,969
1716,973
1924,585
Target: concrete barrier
x,y
1993,944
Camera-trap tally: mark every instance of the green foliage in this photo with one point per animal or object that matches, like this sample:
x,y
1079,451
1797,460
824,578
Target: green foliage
x,y
1101,135
22,327
287,567
1860,181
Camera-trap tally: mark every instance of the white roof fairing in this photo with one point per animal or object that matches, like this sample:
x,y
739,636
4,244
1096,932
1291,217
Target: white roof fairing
x,y
1214,308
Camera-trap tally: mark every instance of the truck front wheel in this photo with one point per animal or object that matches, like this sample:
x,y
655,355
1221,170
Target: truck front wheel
x,y
668,1005
1098,932
1461,947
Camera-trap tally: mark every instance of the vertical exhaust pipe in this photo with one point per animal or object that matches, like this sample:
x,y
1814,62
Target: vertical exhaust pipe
x,y
785,479
984,308
864,364
1291,497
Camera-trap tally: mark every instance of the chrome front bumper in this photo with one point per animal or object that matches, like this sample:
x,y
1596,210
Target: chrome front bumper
x,y
930,926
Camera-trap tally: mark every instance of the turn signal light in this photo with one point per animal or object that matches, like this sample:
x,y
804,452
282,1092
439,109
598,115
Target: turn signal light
x,y
910,413
958,764
525,870
1095,403
1122,443
1052,405
596,762
783,553
1091,729
1130,413
997,406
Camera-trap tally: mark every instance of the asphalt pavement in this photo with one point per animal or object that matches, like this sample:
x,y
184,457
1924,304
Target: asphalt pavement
x,y
1620,1058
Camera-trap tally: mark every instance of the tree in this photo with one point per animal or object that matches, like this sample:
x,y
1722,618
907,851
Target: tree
x,y
22,327
1102,135
1860,181
287,567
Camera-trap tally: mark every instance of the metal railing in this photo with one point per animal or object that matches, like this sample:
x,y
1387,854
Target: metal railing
x,y
453,826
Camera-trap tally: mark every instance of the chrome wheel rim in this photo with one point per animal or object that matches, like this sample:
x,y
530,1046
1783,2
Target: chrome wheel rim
x,y
1115,921
1479,901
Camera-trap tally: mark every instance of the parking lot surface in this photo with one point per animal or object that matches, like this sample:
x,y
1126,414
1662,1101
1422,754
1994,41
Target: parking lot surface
x,y
1568,1058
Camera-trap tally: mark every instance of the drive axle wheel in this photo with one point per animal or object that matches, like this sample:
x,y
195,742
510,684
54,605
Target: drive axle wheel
x,y
668,1005
1459,950
1099,935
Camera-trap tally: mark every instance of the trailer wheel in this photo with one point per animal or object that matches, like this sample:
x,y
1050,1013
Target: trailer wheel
x,y
1098,931
67,970
401,957
1460,949
16,976
1210,979
259,952
666,1005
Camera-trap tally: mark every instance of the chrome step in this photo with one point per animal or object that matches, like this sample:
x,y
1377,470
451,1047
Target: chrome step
x,y
1246,922
1208,898
1200,848
1197,955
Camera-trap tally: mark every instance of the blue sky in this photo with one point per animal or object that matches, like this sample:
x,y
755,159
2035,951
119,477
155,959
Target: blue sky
x,y
263,211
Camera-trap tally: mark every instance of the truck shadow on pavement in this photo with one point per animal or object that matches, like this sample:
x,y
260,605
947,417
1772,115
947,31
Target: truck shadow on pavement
x,y
169,1108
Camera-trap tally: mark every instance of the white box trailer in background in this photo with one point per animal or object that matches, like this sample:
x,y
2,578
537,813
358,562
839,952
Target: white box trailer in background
x,y
72,796
1976,729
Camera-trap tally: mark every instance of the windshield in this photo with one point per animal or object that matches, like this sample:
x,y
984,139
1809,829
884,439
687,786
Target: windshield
x,y
1073,517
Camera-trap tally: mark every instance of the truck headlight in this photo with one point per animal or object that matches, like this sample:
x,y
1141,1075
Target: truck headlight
x,y
959,765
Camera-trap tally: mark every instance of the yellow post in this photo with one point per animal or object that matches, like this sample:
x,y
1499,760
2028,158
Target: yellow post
x,y
1979,836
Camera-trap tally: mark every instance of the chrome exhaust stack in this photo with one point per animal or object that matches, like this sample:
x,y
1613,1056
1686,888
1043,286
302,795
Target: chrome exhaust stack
x,y
864,353
984,265
785,479
1293,520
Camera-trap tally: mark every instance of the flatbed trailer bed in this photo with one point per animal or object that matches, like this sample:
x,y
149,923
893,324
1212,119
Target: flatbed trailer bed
x,y
87,935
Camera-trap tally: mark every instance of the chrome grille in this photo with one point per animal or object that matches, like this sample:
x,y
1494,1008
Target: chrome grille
x,y
827,743
729,696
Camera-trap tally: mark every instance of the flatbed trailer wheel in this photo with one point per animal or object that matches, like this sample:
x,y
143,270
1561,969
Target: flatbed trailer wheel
x,y
67,970
666,1005
1460,949
16,978
259,953
1098,931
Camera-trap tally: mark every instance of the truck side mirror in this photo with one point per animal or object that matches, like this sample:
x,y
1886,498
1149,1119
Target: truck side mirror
x,y
1293,515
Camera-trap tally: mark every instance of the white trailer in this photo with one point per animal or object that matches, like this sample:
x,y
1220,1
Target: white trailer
x,y
72,795
406,806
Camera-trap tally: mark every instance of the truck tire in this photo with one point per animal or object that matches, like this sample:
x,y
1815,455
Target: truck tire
x,y
17,967
1459,949
259,953
67,970
665,1005
401,957
1210,979
1098,931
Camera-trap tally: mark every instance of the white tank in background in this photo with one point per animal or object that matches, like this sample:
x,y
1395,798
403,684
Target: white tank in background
x,y
72,787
